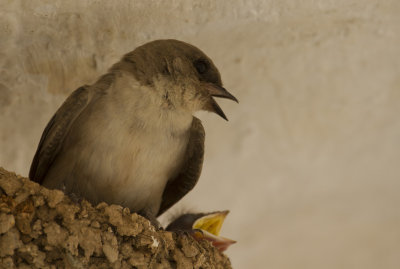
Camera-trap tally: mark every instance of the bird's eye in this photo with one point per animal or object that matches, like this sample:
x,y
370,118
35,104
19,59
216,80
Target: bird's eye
x,y
201,66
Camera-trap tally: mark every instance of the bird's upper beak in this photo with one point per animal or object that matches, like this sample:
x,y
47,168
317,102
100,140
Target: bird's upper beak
x,y
208,228
218,91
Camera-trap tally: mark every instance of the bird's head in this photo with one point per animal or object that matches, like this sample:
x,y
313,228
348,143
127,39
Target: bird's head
x,y
180,73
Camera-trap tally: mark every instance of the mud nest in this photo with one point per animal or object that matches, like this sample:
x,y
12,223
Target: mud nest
x,y
42,228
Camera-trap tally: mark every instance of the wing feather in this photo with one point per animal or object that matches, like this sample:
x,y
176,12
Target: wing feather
x,y
55,133
179,186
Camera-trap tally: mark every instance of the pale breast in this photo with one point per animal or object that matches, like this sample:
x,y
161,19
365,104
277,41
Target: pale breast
x,y
132,161
159,157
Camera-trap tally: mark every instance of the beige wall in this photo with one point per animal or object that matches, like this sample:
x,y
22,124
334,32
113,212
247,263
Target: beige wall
x,y
308,163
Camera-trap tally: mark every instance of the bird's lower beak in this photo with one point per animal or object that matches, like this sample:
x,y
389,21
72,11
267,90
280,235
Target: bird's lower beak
x,y
221,243
218,91
208,227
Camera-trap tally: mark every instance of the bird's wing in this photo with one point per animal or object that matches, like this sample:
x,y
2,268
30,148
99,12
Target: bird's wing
x,y
55,133
179,186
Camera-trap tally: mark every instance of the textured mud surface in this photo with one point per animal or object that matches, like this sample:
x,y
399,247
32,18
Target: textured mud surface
x,y
41,228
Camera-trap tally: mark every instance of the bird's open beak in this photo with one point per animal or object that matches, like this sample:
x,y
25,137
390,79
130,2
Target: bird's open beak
x,y
218,91
208,228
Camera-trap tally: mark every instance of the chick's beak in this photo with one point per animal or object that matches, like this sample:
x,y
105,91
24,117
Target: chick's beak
x,y
221,243
211,222
208,228
218,91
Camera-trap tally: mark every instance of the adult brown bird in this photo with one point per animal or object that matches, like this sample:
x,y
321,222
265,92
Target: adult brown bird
x,y
131,137
203,226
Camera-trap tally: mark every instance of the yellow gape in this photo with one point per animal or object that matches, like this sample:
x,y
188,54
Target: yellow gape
x,y
211,223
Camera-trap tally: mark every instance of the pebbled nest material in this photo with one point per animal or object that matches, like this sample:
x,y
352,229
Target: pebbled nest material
x,y
42,228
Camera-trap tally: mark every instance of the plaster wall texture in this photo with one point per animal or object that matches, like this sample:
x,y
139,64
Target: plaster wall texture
x,y
308,163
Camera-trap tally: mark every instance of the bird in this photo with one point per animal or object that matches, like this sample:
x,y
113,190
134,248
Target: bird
x,y
203,226
130,138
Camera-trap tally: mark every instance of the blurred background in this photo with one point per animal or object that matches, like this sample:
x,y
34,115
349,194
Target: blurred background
x,y
308,164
